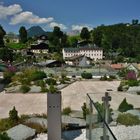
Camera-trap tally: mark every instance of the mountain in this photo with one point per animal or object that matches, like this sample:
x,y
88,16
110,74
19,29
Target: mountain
x,y
35,31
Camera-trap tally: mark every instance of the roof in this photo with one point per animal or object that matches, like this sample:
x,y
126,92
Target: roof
x,y
20,132
82,48
43,37
83,62
117,66
45,63
74,57
41,46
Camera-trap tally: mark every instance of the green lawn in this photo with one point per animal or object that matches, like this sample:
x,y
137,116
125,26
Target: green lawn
x,y
16,45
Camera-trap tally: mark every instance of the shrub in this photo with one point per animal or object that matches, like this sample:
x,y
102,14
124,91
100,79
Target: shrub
x,y
104,78
25,81
128,119
13,115
38,127
40,83
124,106
112,76
4,136
44,89
24,89
51,81
101,109
86,75
5,124
52,89
62,81
133,83
37,75
66,111
85,110
138,93
131,75
8,77
120,88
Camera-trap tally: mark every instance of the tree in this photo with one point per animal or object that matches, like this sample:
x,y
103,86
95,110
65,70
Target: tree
x,y
13,115
124,106
4,136
73,40
6,54
85,110
23,34
85,34
57,32
135,21
2,34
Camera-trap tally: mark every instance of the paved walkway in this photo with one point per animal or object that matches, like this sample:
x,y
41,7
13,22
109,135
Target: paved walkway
x,y
74,95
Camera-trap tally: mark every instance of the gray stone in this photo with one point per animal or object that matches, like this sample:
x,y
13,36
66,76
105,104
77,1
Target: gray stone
x,y
20,132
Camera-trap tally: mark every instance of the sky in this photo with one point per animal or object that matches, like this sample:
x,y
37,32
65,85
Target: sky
x,y
69,15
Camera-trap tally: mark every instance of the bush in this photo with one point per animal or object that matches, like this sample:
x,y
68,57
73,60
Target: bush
x,y
8,77
120,88
40,83
51,81
131,75
38,127
37,75
52,89
128,119
124,106
86,75
66,111
13,115
85,110
133,83
24,89
4,136
101,109
104,78
44,89
112,76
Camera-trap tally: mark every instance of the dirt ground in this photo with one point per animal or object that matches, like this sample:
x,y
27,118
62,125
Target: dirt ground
x,y
74,95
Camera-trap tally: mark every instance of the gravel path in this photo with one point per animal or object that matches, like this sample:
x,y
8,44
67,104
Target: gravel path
x,y
74,95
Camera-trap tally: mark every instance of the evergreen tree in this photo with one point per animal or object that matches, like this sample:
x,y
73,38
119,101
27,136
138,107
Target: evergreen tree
x,y
85,34
23,34
13,115
124,106
2,34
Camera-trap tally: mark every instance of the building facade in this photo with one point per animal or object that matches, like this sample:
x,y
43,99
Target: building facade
x,y
94,53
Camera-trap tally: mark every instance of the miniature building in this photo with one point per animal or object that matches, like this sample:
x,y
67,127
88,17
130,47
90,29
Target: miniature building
x,y
40,48
92,52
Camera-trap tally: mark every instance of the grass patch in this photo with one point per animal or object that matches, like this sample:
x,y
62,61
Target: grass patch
x,y
16,46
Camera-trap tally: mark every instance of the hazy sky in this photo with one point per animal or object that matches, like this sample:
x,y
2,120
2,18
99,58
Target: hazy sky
x,y
68,14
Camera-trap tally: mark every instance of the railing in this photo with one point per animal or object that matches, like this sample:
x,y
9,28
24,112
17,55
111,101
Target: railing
x,y
97,125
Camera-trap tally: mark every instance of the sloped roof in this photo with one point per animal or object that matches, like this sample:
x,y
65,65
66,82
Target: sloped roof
x,y
117,66
83,48
20,132
41,46
83,62
45,63
74,57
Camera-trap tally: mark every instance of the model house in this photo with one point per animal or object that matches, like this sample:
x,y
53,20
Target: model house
x,y
93,52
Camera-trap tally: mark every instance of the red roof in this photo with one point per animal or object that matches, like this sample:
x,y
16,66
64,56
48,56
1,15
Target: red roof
x,y
116,66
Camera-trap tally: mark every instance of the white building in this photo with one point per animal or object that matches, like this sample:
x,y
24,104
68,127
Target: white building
x,y
92,52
